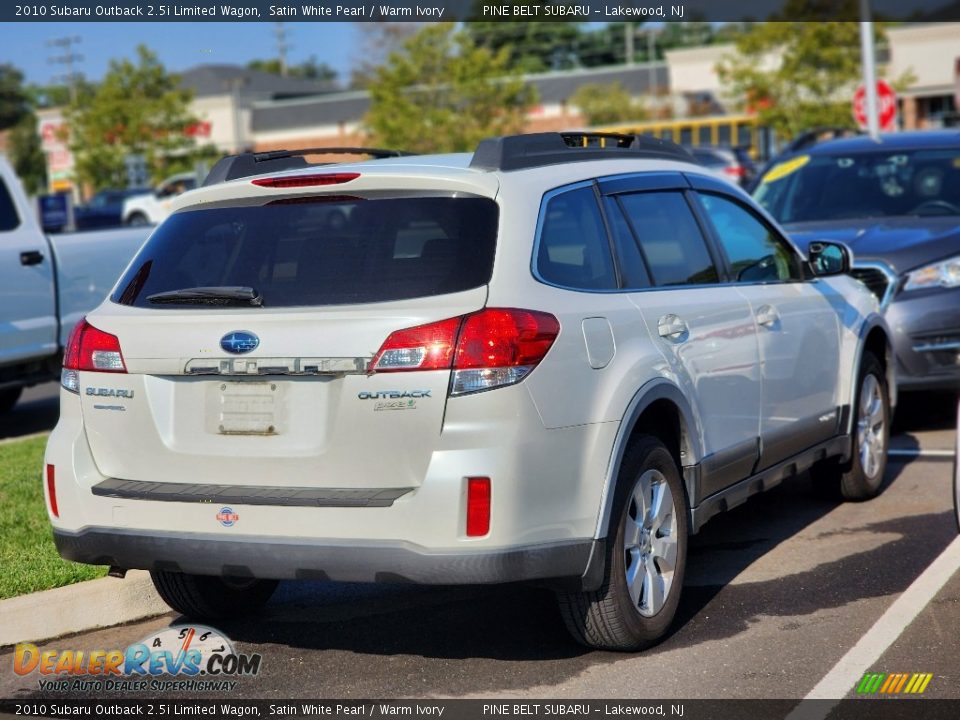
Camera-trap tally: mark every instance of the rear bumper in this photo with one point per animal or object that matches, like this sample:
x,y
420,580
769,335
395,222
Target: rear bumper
x,y
282,559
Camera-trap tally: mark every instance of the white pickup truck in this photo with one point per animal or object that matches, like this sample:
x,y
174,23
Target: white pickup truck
x,y
47,285
152,208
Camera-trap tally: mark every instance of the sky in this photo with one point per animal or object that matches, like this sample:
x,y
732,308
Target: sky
x,y
179,45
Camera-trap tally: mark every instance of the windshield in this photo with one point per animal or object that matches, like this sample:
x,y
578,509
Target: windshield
x,y
315,251
859,185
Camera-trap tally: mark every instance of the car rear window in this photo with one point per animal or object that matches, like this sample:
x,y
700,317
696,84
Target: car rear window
x,y
320,250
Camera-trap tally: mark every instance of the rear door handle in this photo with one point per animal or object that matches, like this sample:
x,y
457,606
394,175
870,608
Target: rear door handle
x,y
767,316
31,257
671,327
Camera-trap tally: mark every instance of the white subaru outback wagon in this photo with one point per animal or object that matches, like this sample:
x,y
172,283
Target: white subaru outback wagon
x,y
550,360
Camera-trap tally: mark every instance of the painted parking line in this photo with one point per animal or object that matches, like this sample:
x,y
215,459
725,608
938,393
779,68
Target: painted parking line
x,y
845,675
913,453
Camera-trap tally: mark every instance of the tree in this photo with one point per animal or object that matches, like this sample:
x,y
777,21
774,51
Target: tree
x,y
813,82
531,47
310,69
26,155
604,104
443,93
378,40
138,109
14,102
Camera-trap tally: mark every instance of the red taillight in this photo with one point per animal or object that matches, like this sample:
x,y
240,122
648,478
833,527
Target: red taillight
x,y
89,348
487,349
735,171
497,338
425,347
52,491
478,506
306,180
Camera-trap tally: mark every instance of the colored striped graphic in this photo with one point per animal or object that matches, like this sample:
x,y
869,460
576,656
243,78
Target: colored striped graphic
x,y
894,683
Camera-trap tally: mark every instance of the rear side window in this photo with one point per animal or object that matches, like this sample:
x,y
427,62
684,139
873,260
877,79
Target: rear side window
x,y
574,250
670,239
9,220
320,251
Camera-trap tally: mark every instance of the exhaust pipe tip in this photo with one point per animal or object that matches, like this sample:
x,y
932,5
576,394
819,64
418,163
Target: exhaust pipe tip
x,y
117,572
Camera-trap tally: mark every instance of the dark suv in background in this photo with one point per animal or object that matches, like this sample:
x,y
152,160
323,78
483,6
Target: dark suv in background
x,y
896,203
733,162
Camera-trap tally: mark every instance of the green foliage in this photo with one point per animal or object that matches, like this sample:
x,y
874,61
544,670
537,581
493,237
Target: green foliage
x,y
308,70
815,80
531,47
28,557
443,93
14,102
138,109
50,96
604,104
26,155
685,34
376,41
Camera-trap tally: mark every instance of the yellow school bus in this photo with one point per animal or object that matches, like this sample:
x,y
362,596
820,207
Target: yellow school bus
x,y
731,130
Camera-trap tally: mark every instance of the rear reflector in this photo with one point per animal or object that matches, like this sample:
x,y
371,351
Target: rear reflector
x,y
486,349
90,348
296,181
52,491
478,506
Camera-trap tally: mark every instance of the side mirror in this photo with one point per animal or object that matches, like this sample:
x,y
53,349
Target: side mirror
x,y
828,258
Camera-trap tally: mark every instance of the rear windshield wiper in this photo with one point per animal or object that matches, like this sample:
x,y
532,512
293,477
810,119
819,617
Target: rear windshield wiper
x,y
226,295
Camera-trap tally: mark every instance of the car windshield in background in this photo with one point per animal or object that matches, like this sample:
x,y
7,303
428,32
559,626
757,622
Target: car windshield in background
x,y
860,185
315,251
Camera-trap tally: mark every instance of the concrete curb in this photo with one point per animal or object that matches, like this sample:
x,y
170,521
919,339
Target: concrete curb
x,y
79,607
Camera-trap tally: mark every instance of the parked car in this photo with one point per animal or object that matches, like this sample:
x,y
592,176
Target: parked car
x,y
154,206
734,163
105,209
46,285
801,142
896,204
542,361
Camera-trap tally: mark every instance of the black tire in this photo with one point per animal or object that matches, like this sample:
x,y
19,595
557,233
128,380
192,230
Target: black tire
x,y
850,480
137,219
608,618
203,597
8,398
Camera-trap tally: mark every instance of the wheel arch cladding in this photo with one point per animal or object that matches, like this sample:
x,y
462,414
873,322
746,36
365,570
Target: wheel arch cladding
x,y
659,409
876,340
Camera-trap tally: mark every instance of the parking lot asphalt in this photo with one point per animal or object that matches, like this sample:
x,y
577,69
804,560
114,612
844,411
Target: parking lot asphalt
x,y
777,592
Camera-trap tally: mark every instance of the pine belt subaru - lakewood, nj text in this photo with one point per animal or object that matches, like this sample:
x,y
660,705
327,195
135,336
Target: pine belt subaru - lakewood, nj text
x,y
550,360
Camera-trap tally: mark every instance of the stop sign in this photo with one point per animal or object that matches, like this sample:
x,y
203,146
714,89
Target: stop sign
x,y
886,102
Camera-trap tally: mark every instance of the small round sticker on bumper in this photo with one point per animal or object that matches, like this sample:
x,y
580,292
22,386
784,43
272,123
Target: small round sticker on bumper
x,y
227,517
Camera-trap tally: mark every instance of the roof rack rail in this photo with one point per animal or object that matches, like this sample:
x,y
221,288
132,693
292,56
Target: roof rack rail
x,y
517,152
256,163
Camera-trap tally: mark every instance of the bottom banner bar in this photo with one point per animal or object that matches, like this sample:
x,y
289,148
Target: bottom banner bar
x,y
858,709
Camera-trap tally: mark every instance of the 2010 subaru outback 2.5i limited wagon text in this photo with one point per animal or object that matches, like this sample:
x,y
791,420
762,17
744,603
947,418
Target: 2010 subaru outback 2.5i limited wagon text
x,y
550,360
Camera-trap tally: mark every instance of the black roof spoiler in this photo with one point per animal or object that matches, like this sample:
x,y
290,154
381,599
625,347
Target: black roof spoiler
x,y
257,163
518,152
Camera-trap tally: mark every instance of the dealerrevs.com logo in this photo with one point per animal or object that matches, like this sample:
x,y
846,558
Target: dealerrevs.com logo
x,y
188,658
